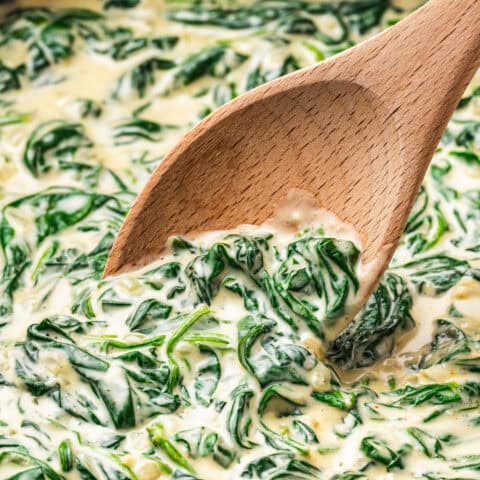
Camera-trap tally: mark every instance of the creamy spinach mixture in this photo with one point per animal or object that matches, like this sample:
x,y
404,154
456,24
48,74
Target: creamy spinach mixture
x,y
213,363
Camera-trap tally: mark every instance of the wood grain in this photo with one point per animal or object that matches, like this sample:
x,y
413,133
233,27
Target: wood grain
x,y
357,131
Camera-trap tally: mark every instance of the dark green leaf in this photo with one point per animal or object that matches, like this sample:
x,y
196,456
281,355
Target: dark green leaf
x,y
371,336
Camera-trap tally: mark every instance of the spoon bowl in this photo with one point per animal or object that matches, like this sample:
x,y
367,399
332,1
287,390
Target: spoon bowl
x,y
356,131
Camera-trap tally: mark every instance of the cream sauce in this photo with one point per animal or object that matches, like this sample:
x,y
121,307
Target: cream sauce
x,y
101,379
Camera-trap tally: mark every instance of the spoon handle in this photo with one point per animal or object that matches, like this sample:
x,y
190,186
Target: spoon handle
x,y
433,55
418,69
415,74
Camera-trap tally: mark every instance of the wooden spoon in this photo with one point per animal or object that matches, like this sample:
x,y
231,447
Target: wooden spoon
x,y
357,131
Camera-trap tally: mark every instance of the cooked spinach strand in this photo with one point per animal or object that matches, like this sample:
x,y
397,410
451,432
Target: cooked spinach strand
x,y
222,359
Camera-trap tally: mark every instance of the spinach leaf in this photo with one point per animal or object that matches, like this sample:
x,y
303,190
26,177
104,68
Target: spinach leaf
x,y
432,476
277,360
435,393
203,271
159,439
124,48
176,336
51,141
12,118
21,455
280,399
260,75
282,441
348,476
57,208
364,14
141,77
208,376
314,265
323,266
448,342
74,264
465,101
50,36
119,403
430,445
30,474
468,136
359,15
250,300
427,224
65,455
342,399
469,364
120,4
202,442
148,378
379,451
146,312
239,419
298,24
139,129
438,272
280,465
17,260
371,335
216,61
89,108
305,431
132,386
10,77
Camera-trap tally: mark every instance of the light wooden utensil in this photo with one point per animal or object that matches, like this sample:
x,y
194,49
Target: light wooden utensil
x,y
357,131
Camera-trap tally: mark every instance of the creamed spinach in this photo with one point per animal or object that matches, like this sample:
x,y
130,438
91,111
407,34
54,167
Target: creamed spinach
x,y
214,362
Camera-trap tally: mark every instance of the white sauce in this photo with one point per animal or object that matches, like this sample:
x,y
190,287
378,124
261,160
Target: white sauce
x,y
70,385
